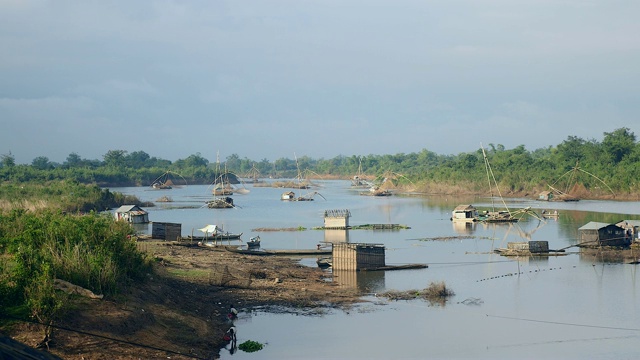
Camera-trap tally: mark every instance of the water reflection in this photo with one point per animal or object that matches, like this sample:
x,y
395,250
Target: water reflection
x,y
364,281
336,236
464,227
611,256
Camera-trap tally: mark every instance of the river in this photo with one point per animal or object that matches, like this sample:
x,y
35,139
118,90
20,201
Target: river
x,y
573,306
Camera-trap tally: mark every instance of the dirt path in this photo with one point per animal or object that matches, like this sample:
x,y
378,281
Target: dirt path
x,y
181,310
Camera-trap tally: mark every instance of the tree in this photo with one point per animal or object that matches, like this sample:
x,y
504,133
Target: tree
x,y
619,144
137,159
73,160
42,163
196,160
115,158
8,160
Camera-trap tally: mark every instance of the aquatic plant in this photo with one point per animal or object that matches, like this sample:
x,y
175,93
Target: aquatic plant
x,y
250,346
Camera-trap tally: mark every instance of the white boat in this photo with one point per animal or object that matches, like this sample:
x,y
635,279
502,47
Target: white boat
x,y
254,242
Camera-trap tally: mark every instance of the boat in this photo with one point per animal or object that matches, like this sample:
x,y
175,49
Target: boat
x,y
550,214
384,187
358,181
222,236
376,191
214,232
162,186
324,262
288,196
291,196
164,182
254,242
494,216
222,188
573,189
220,203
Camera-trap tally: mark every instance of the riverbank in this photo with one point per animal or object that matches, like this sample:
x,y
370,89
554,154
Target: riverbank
x,y
180,311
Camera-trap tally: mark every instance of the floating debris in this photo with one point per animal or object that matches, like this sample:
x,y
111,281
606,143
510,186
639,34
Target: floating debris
x,y
436,293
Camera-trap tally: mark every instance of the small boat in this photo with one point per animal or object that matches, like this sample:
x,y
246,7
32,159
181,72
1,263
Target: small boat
x,y
164,182
291,196
161,186
324,262
254,242
376,191
214,232
220,203
550,214
288,196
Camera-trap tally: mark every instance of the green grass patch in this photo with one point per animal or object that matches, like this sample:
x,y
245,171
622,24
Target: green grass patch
x,y
250,346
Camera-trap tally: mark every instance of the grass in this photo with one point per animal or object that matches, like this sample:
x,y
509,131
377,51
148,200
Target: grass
x,y
436,293
200,274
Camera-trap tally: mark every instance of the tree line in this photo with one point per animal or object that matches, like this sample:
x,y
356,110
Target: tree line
x,y
609,165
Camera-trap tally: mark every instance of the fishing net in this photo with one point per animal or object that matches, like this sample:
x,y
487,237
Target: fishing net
x,y
222,276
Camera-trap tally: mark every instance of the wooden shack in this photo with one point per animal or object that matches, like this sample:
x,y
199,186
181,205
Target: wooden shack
x,y
632,228
166,231
356,257
336,219
603,234
545,196
132,214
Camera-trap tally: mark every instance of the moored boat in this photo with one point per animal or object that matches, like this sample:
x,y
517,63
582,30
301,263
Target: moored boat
x,y
254,242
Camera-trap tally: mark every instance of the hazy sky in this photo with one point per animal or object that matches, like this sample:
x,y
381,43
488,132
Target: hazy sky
x,y
267,79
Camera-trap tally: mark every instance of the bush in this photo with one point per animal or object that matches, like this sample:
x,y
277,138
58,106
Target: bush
x,y
92,251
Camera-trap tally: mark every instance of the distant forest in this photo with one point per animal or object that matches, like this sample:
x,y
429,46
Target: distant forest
x,y
599,169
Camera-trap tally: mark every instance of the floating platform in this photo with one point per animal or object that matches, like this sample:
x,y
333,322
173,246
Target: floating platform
x,y
312,252
365,227
396,267
529,248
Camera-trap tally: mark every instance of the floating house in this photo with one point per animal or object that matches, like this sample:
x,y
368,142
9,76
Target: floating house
x,y
595,234
336,219
132,214
467,213
632,228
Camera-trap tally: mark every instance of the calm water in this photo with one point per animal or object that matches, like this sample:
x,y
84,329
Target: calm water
x,y
573,306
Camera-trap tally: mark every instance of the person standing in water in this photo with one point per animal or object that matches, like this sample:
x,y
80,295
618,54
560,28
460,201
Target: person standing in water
x,y
233,313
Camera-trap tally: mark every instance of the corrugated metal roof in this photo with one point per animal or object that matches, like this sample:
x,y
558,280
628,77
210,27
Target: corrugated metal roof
x,y
594,225
464,208
630,222
129,208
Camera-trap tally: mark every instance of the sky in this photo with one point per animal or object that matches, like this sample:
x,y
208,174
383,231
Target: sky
x,y
277,79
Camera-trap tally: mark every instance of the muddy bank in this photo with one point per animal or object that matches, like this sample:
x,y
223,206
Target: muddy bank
x,y
180,311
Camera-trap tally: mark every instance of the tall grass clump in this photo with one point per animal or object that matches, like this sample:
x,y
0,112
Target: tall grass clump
x,y
436,293
92,250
